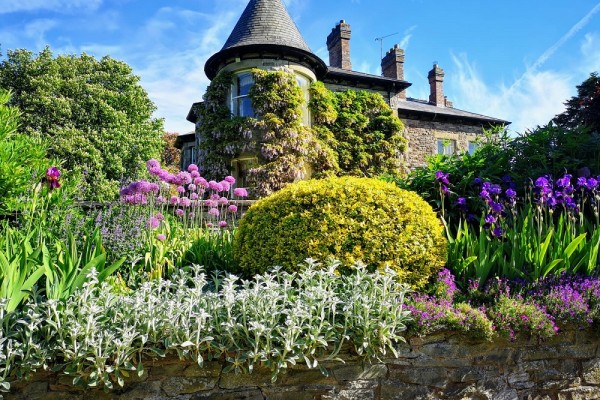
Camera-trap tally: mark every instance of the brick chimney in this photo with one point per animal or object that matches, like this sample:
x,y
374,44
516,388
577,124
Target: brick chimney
x,y
392,65
338,44
436,86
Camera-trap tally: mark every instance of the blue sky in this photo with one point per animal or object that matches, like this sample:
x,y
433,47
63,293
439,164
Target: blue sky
x,y
517,60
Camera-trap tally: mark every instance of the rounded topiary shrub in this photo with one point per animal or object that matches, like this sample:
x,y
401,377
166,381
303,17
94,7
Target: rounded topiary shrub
x,y
349,219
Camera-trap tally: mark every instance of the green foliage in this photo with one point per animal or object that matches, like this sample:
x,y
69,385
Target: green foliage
x,y
97,117
276,320
213,251
22,158
583,110
514,316
350,219
285,149
360,129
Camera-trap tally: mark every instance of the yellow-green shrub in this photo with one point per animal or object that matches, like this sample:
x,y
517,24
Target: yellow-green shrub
x,y
350,219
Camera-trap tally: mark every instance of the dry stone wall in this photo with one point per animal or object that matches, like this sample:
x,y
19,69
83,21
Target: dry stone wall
x,y
445,366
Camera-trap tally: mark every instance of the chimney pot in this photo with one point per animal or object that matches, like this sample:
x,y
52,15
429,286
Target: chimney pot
x,y
436,86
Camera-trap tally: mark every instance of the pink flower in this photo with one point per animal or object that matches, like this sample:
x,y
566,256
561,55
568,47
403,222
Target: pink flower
x,y
194,196
180,189
161,237
179,212
152,163
153,223
185,202
232,208
240,192
174,200
195,174
184,178
226,186
230,179
201,182
191,187
161,200
159,216
215,196
210,203
214,212
155,171
217,187
222,224
192,168
223,200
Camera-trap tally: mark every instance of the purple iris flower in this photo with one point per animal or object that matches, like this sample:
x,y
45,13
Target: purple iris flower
x,y
564,181
510,193
496,207
442,177
541,182
490,219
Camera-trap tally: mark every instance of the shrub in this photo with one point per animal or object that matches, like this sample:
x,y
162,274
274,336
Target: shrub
x,y
350,219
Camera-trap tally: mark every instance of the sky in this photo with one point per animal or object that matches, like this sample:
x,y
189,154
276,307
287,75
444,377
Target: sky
x,y
515,60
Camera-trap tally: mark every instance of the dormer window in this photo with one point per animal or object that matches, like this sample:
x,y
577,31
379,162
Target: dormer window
x,y
241,104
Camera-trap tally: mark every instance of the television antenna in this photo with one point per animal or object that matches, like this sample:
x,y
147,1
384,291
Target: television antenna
x,y
380,40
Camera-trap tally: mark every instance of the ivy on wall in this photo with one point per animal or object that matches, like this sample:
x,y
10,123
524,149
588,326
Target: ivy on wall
x,y
360,128
354,133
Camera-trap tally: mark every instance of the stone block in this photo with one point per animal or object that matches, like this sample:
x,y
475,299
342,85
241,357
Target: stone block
x,y
580,393
253,394
259,378
145,391
392,390
177,385
520,380
435,376
360,372
304,375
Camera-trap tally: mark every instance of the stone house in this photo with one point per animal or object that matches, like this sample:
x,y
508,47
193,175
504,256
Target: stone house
x,y
266,37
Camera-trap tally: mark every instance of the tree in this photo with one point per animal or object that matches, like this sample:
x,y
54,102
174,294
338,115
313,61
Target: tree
x,y
583,110
94,113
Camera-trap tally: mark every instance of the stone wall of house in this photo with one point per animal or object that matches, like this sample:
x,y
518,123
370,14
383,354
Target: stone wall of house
x,y
444,366
423,137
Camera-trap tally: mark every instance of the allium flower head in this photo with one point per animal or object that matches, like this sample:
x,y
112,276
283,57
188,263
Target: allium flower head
x,y
214,212
174,200
226,186
240,192
159,216
152,163
161,200
223,200
184,178
161,237
192,168
153,223
232,208
222,224
192,187
194,196
179,212
185,202
230,179
180,189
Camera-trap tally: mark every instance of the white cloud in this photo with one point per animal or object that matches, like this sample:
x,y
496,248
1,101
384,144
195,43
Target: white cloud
x,y
534,100
36,30
10,6
590,50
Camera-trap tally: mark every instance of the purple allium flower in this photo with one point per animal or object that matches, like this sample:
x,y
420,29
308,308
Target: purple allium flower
x,y
152,163
195,174
179,212
52,175
174,200
194,196
510,193
180,189
226,186
222,224
153,223
214,212
223,201
164,175
185,202
442,177
154,171
230,179
192,168
161,200
192,187
240,192
184,178
201,182
159,216
232,208
161,237
211,203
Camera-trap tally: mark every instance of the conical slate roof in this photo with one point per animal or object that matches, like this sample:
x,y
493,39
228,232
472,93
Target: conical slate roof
x,y
265,27
266,22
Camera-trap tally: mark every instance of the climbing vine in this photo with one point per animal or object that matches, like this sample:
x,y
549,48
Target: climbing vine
x,y
360,128
354,132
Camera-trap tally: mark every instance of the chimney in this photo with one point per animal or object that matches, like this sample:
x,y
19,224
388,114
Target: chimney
x,y
392,65
338,44
436,86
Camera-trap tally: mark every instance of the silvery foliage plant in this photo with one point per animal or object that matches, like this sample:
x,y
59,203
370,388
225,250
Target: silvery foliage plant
x,y
100,337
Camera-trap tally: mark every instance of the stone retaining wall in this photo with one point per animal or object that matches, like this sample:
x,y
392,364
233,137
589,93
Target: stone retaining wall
x,y
443,366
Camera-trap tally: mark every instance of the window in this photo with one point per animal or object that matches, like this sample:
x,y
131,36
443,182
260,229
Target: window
x,y
446,146
190,156
241,104
472,147
240,168
304,84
